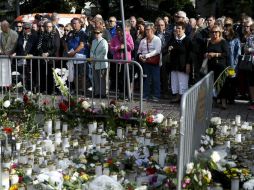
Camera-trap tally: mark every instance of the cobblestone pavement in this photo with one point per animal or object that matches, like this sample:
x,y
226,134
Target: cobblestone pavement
x,y
173,110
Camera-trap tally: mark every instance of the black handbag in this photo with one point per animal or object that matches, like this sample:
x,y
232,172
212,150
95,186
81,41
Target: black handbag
x,y
245,63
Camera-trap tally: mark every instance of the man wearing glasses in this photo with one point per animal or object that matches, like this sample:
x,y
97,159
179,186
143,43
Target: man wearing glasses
x,y
112,26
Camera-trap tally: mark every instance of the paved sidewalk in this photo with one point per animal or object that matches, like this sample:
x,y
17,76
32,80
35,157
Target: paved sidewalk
x,y
173,110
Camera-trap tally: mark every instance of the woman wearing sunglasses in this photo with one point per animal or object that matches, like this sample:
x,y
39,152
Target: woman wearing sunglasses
x,y
217,53
99,50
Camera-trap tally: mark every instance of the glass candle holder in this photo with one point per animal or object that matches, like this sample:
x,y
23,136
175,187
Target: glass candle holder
x,y
57,125
48,127
235,183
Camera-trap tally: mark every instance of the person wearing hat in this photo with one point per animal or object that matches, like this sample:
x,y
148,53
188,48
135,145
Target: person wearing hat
x,y
117,49
99,50
180,16
26,45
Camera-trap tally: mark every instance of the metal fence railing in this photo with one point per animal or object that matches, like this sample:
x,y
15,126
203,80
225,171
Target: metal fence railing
x,y
196,108
36,75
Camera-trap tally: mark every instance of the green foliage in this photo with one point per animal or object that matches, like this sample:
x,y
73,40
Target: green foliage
x,y
44,6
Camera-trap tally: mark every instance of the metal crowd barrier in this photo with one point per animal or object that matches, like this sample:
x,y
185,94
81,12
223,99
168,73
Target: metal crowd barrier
x,y
28,70
196,108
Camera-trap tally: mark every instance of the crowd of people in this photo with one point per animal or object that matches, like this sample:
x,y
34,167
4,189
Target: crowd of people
x,y
170,50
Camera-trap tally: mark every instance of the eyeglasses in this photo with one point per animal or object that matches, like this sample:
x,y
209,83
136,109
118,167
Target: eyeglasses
x,y
26,28
19,26
111,21
97,32
227,25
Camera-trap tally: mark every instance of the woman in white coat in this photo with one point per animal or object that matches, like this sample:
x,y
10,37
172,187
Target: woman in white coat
x,y
99,50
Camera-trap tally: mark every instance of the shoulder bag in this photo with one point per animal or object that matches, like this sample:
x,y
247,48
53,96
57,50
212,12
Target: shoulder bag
x,y
154,60
245,63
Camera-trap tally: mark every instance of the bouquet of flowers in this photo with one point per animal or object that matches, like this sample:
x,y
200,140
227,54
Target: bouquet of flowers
x,y
153,119
197,177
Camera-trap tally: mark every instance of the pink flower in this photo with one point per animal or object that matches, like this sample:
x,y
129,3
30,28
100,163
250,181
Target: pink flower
x,y
187,180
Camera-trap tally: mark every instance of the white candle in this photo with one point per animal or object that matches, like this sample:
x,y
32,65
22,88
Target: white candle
x,y
6,178
142,130
162,156
94,135
173,130
147,141
120,132
75,143
103,140
65,128
58,137
98,138
227,143
18,145
14,178
238,138
100,127
224,129
28,170
57,125
238,120
98,169
92,127
106,171
235,183
234,130
141,139
48,127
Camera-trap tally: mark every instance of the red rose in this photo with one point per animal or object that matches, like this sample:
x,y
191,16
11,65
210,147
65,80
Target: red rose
x,y
72,103
110,161
149,119
63,107
25,99
20,179
7,130
150,171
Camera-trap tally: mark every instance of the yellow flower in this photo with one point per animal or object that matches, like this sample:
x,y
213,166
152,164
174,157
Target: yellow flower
x,y
14,187
84,177
106,165
207,179
66,177
167,170
245,172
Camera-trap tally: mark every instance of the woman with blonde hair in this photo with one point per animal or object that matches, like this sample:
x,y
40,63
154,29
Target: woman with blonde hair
x,y
217,53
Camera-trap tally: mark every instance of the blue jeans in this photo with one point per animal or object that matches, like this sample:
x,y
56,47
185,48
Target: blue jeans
x,y
152,81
